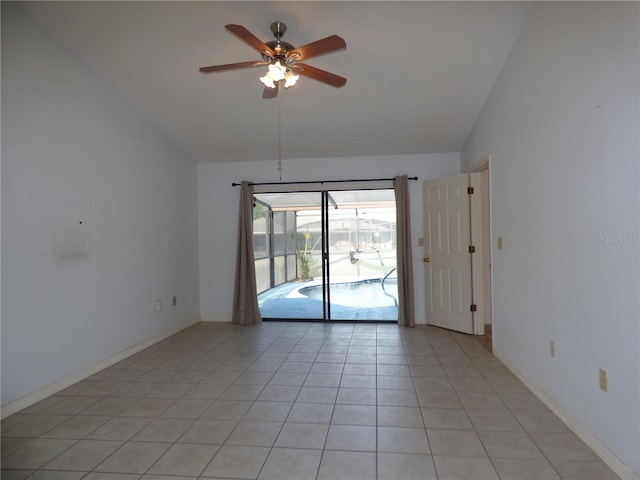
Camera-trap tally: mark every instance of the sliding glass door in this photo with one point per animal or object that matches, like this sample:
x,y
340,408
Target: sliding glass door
x,y
326,255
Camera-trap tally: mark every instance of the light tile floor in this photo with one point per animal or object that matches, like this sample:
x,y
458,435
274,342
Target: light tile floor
x,y
298,401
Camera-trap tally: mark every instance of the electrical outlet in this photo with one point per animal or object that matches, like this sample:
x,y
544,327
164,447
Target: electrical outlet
x,y
174,300
158,306
603,380
552,349
499,243
421,242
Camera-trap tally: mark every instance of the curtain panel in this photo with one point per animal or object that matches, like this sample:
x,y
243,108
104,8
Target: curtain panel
x,y
245,296
406,312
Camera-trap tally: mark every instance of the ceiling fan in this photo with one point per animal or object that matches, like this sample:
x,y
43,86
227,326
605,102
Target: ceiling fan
x,y
283,59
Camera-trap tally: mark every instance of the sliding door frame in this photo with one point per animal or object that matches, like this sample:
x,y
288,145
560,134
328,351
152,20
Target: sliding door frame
x,y
326,290
324,190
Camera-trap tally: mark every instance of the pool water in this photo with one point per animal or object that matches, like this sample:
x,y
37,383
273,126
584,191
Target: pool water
x,y
352,299
367,293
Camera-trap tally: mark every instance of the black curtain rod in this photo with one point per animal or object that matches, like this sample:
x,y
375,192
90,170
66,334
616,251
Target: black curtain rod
x,y
322,182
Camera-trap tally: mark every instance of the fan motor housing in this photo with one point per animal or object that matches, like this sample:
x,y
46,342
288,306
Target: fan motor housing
x,y
281,48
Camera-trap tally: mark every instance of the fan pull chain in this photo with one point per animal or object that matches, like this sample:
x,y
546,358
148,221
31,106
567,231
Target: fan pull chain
x,y
279,138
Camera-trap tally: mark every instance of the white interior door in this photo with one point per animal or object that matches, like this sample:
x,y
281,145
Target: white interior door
x,y
447,257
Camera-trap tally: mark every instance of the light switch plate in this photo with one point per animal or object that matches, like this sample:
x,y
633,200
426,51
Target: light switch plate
x,y
604,383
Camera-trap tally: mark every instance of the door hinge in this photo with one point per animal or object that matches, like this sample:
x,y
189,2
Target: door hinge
x,y
472,249
470,190
474,307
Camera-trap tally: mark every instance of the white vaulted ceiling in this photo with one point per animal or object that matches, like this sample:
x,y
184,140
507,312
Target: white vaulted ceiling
x,y
418,72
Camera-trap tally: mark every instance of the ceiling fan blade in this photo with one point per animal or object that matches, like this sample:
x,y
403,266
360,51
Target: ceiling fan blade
x,y
319,47
232,66
271,92
248,37
320,75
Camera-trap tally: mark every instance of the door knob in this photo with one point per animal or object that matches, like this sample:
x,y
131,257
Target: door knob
x,y
425,259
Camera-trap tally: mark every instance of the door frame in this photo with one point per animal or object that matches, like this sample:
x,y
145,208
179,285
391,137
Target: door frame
x,y
479,261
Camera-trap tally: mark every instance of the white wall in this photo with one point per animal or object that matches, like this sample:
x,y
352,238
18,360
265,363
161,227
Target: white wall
x,y
218,212
562,128
75,294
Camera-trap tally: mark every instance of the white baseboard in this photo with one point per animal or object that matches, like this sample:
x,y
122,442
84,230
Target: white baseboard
x,y
600,449
35,397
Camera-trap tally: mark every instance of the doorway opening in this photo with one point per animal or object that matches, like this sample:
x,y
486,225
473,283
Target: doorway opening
x,y
326,255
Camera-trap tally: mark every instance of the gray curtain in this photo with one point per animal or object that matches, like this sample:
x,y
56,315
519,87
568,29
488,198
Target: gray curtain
x,y
406,313
245,297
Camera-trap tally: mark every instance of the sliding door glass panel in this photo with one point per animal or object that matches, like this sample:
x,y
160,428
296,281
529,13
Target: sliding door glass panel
x,y
326,255
295,256
362,255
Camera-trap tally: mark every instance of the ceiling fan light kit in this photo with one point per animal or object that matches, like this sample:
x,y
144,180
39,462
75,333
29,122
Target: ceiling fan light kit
x,y
278,72
282,59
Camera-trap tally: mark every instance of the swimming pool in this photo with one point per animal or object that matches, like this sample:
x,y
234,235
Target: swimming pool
x,y
362,293
353,299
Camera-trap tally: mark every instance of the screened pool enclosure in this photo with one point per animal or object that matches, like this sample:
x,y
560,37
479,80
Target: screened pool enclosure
x,y
326,255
